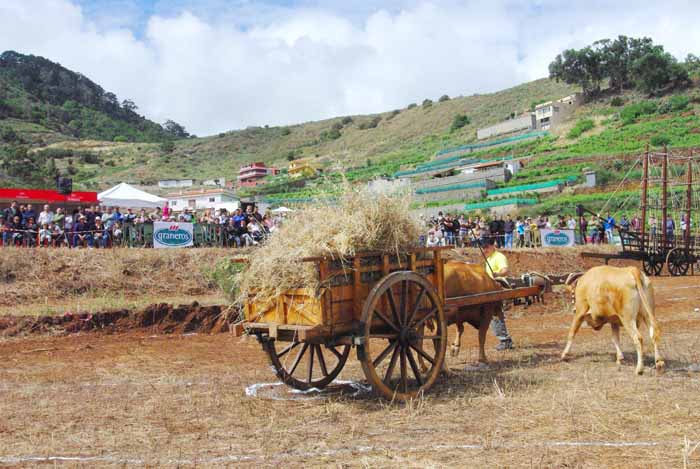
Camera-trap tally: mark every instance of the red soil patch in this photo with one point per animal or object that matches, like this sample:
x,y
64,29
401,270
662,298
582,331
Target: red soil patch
x,y
160,318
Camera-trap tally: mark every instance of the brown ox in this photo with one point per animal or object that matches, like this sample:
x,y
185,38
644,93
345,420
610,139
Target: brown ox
x,y
466,279
620,296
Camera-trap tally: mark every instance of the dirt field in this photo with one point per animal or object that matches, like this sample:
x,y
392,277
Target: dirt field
x,y
144,398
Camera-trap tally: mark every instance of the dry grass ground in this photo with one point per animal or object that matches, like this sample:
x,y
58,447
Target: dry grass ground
x,y
36,281
138,399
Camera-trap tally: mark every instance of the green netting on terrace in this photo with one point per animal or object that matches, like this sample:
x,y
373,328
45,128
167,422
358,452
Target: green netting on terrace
x,y
526,187
436,166
500,141
499,203
446,162
451,187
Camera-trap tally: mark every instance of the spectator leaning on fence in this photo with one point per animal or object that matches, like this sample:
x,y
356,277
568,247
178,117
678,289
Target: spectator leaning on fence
x,y
81,233
609,226
46,216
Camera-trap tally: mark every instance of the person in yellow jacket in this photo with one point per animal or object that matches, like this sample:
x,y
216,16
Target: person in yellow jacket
x,y
497,266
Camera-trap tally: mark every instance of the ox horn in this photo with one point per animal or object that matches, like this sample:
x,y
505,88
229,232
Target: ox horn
x,y
573,276
541,275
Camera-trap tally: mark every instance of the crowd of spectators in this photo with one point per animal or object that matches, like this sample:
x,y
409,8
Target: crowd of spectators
x,y
102,227
518,232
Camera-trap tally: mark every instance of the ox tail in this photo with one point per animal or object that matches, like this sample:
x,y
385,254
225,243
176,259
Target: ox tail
x,y
645,294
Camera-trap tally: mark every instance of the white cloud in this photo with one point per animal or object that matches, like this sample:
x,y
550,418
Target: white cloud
x,y
215,73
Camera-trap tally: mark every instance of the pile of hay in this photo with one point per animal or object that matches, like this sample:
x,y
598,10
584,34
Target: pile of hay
x,y
358,221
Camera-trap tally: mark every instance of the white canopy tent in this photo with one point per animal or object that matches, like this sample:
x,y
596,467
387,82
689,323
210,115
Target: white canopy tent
x,y
282,210
124,195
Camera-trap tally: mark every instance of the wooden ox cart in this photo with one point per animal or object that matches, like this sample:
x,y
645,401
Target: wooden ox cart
x,y
392,308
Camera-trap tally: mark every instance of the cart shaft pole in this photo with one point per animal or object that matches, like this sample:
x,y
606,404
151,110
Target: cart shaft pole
x,y
664,196
688,203
645,185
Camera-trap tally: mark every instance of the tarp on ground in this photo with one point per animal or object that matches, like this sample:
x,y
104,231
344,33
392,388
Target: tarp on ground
x,y
124,195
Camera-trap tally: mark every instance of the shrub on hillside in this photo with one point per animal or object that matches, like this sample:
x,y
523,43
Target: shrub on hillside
x,y
346,120
8,136
459,121
443,98
337,126
121,139
660,140
427,103
285,131
617,101
332,134
583,125
679,102
167,147
631,112
371,124
393,114
57,153
412,106
89,158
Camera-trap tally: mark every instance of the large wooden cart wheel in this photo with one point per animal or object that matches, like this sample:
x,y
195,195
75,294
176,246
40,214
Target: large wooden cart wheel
x,y
405,336
653,264
677,262
303,365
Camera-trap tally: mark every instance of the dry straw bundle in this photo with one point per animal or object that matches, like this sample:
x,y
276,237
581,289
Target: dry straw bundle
x,y
358,221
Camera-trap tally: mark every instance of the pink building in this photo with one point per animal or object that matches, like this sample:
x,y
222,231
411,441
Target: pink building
x,y
252,174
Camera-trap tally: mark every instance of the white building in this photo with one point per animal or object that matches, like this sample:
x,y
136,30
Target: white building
x,y
172,183
200,199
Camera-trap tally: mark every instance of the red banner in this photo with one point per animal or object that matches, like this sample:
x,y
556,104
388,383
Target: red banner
x,y
43,195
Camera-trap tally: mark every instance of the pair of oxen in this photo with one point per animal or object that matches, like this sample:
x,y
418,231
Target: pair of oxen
x,y
620,296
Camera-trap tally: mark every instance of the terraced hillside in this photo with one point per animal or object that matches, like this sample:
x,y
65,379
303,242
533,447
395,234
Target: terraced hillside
x,y
385,141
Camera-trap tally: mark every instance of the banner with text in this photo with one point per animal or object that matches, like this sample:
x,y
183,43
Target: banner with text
x,y
172,235
558,238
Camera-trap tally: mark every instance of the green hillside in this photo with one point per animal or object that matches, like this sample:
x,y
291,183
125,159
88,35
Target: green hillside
x,y
59,101
43,103
384,141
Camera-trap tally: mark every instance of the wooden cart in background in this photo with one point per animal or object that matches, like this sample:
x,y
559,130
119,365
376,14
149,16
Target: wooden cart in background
x,y
392,307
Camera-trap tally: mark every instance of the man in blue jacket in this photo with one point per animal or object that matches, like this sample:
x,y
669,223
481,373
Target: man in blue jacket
x,y
609,226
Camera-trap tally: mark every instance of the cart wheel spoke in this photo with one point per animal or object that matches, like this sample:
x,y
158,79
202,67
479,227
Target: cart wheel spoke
x,y
404,302
310,371
416,305
390,348
423,354
287,349
392,365
414,366
420,323
298,358
335,352
321,360
389,322
404,371
392,305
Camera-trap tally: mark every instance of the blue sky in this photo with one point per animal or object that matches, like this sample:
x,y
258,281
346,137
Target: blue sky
x,y
217,65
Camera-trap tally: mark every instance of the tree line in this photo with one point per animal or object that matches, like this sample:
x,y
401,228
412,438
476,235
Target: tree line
x,y
626,63
60,98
